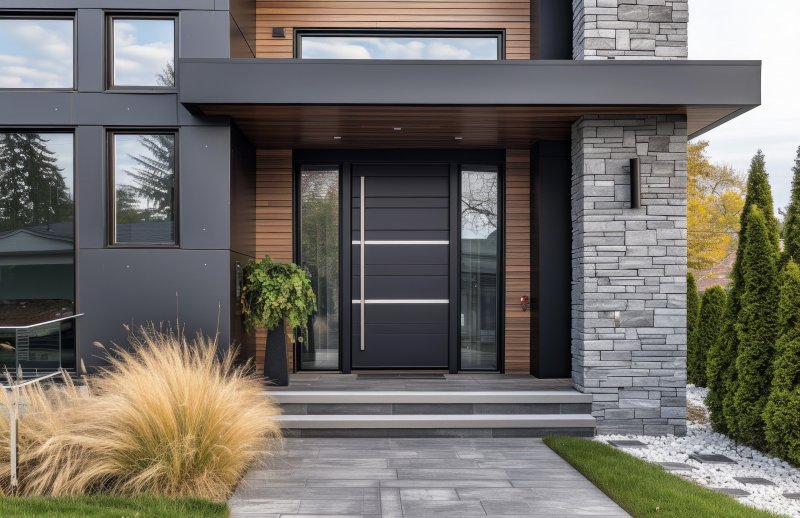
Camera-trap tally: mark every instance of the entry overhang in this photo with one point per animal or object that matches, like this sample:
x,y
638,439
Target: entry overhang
x,y
708,92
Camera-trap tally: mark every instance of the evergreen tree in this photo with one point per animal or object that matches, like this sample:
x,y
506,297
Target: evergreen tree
x,y
712,312
722,385
782,413
154,176
32,189
757,330
692,316
791,225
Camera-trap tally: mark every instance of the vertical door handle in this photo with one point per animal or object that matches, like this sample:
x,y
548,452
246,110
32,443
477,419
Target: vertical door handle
x,y
363,267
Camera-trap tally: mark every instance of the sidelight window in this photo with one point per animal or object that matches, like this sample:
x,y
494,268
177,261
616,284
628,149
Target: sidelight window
x,y
479,277
400,45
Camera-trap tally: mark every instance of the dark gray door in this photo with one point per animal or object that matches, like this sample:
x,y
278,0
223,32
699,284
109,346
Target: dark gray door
x,y
404,246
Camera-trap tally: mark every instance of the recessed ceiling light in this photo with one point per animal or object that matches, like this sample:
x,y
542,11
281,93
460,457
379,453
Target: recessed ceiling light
x,y
337,138
398,129
459,138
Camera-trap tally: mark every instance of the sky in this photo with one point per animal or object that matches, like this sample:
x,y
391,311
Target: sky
x,y
768,31
142,49
36,53
365,47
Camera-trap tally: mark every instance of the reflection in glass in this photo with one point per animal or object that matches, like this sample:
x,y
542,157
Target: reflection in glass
x,y
144,52
401,47
37,249
479,267
144,188
36,53
319,253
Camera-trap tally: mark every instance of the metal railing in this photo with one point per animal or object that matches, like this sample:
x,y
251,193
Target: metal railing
x,y
42,338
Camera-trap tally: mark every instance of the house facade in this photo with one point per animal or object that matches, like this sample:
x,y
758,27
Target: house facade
x,y
510,177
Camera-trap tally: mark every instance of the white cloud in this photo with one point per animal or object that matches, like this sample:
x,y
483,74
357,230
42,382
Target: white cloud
x,y
140,55
768,32
36,54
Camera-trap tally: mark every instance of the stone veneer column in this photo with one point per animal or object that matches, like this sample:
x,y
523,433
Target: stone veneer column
x,y
629,272
630,29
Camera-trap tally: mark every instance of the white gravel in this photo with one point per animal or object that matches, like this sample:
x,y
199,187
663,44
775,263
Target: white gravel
x,y
749,463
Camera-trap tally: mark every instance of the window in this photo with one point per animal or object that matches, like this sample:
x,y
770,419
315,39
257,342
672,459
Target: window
x,y
479,267
319,253
37,53
142,52
444,45
37,249
144,197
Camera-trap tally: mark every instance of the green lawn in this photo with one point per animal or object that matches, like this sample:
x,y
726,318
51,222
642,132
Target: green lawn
x,y
110,507
644,489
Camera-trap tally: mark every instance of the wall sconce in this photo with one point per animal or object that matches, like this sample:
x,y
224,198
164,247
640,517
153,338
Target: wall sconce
x,y
524,302
278,32
636,184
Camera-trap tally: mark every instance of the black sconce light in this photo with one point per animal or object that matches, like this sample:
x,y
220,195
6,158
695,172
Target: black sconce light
x,y
278,32
636,184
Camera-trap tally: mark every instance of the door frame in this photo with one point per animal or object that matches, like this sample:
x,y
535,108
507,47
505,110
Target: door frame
x,y
455,158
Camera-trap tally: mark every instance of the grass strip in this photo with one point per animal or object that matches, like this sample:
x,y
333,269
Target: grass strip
x,y
644,489
109,507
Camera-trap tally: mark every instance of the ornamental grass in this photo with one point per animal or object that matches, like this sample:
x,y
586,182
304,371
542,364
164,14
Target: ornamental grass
x,y
168,416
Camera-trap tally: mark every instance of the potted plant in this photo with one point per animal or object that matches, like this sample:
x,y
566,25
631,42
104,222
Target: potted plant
x,y
279,298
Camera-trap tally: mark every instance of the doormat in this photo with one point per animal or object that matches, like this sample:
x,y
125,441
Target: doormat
x,y
400,376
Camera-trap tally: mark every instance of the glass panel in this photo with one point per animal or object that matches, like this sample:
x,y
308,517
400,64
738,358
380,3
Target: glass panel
x,y
37,246
479,268
36,53
144,187
400,47
144,52
319,253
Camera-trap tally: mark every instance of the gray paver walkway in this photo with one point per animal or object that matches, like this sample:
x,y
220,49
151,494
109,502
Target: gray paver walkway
x,y
417,478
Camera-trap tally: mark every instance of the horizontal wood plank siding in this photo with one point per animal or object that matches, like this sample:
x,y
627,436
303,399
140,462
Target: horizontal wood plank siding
x,y
518,261
273,221
513,16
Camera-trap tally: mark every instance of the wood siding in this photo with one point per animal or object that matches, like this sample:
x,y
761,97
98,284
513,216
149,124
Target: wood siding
x,y
512,15
518,261
273,221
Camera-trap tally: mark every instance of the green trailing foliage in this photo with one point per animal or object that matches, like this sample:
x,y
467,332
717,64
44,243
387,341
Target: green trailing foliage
x,y
721,370
782,413
791,225
692,316
710,323
273,292
757,331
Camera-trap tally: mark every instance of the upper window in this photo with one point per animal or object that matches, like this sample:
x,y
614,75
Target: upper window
x,y
143,52
37,53
144,197
459,45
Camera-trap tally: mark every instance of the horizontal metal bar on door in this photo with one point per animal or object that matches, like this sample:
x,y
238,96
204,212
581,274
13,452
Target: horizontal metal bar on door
x,y
403,301
31,326
356,242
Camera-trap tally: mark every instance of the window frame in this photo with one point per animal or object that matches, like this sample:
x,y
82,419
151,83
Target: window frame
x,y
111,209
109,51
499,34
38,15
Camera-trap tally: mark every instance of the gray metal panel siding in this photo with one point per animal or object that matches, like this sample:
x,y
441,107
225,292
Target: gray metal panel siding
x,y
134,286
204,187
552,166
243,195
91,186
658,83
124,109
200,34
122,5
91,45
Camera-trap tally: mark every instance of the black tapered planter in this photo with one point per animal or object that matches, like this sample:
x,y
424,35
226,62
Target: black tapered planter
x,y
276,368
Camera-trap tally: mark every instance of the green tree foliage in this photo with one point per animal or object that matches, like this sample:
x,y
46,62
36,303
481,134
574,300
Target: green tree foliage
x,y
721,362
757,330
710,323
32,189
154,176
782,413
692,316
791,225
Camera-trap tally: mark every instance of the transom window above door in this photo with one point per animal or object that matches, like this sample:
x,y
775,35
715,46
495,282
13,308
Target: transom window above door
x,y
399,44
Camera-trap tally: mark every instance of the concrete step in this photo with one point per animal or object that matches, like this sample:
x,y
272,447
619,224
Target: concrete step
x,y
440,425
373,402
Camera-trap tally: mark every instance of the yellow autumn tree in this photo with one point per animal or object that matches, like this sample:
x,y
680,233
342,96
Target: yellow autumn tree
x,y
715,201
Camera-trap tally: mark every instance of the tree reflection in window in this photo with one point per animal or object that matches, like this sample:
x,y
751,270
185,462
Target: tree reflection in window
x,y
319,236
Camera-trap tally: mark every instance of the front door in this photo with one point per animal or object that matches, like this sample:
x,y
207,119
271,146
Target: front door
x,y
400,233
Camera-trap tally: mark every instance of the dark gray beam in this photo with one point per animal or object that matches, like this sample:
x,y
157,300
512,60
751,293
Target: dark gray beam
x,y
622,83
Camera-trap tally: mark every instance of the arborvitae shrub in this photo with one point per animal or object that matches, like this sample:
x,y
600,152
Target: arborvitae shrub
x,y
791,226
757,330
692,316
782,413
709,326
